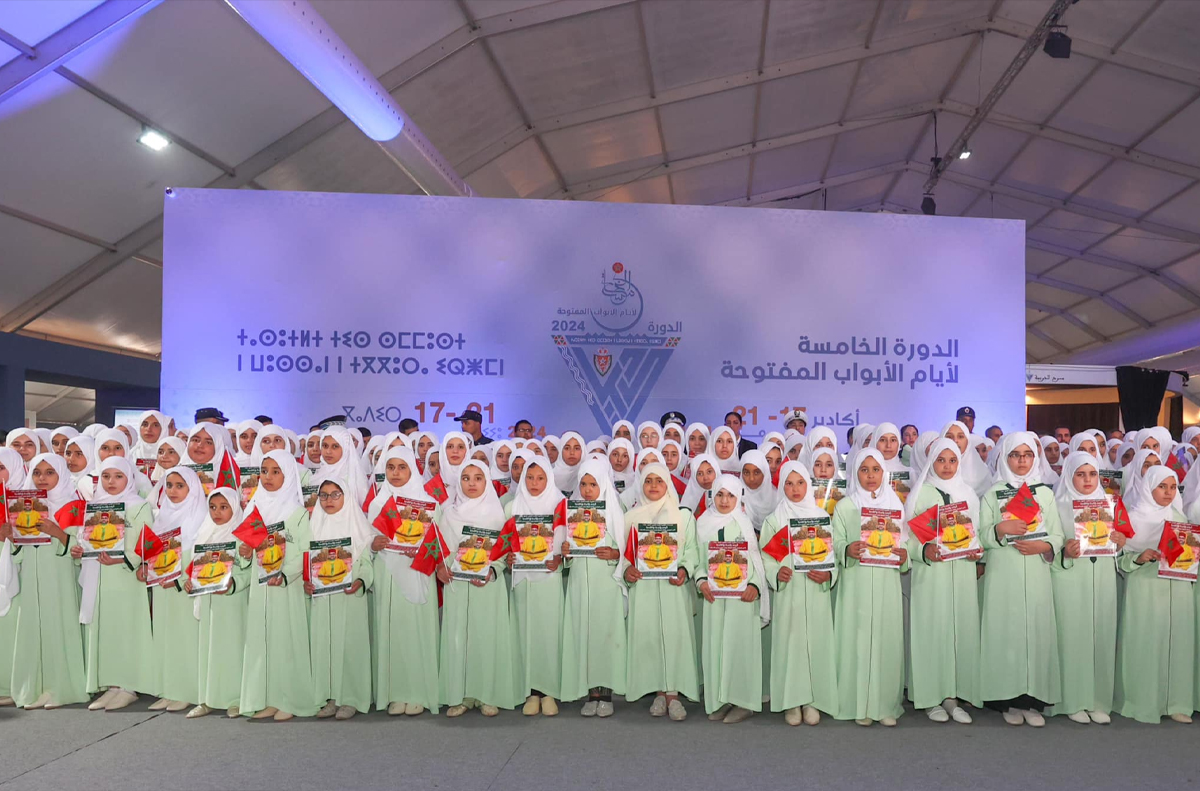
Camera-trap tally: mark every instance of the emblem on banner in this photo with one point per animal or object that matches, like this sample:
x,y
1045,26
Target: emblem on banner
x,y
603,362
615,358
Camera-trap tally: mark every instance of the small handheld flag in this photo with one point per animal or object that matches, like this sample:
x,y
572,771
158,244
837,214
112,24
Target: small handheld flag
x,y
924,525
780,545
253,530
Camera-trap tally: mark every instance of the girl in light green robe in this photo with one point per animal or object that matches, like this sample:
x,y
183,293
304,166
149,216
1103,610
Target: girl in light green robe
x,y
1156,640
661,655
114,607
868,531
593,637
339,625
47,648
537,586
480,658
944,613
176,627
276,670
1020,667
222,615
732,632
803,675
405,625
1085,599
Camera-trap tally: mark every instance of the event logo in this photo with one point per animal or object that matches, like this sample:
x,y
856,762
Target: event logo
x,y
615,366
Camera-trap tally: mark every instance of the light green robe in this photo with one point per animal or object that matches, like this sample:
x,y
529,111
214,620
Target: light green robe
x,y
119,642
661,655
944,623
340,640
1019,631
46,651
1085,610
1155,645
732,638
868,628
593,638
222,641
276,669
539,606
176,640
405,641
803,664
480,656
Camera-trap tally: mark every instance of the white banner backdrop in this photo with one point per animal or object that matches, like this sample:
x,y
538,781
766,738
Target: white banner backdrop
x,y
575,314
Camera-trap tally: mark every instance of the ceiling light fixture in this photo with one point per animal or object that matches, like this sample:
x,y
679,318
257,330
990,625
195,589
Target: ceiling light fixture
x,y
153,139
965,153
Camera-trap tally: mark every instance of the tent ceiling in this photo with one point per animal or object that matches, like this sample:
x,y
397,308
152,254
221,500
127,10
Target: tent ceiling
x,y
790,103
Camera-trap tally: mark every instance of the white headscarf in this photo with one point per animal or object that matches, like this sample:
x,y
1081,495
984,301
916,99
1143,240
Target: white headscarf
x,y
89,569
483,511
627,424
503,477
692,429
665,509
1079,439
551,442
694,491
566,476
348,522
731,465
347,469
614,515
526,504
93,429
413,585
1008,443
712,521
682,464
627,476
972,468
884,497
807,508
1160,434
68,432
955,487
141,449
920,453
894,464
277,506
212,533
451,473
1132,472
188,515
64,491
1065,493
1191,486
862,432
760,502
12,461
648,424
1146,515
255,457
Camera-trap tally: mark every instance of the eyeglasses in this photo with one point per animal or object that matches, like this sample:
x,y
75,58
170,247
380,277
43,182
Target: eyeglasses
x,y
1015,456
324,496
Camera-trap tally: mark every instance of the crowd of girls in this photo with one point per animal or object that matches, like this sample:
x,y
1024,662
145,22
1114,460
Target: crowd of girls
x,y
657,563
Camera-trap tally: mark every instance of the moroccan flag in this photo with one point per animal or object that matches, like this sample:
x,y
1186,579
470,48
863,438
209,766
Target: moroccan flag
x,y
150,545
306,569
925,524
680,486
370,496
437,489
780,545
507,542
253,530
1121,521
388,521
3,503
1169,546
703,506
631,545
1175,465
1023,506
70,515
229,475
500,488
433,551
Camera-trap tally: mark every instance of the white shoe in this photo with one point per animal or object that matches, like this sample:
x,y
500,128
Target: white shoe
x,y
533,705
233,712
659,707
720,713
345,712
1100,717
122,699
7,701
1182,719
604,709
1013,717
160,704
456,711
39,703
1033,718
736,715
549,706
811,716
938,714
960,715
1081,717
793,716
102,701
866,722
589,708
676,711
488,710
265,714
199,711
413,709
327,711
888,722
177,705
395,709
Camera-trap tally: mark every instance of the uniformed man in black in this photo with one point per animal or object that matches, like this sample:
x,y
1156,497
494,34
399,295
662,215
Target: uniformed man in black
x,y
472,426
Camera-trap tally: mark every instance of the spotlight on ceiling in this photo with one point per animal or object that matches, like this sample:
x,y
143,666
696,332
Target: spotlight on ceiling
x,y
153,140
965,153
928,206
1058,43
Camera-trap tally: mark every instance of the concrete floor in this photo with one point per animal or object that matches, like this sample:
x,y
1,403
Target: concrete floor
x,y
137,749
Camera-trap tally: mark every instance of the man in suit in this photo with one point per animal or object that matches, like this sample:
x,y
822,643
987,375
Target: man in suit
x,y
734,421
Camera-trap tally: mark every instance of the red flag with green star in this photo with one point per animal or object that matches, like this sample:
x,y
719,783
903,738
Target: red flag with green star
x,y
1175,465
3,503
433,551
1121,521
1023,506
253,530
1168,544
508,541
436,489
229,475
388,521
925,524
780,545
70,515
149,545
